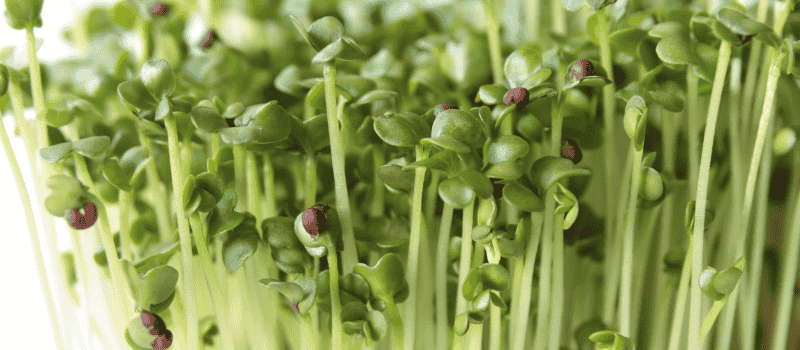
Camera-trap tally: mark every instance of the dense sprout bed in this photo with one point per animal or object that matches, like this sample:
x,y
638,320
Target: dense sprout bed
x,y
345,175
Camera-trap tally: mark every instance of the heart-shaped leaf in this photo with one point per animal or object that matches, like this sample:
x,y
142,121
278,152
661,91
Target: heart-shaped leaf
x,y
521,197
92,147
455,192
55,117
739,23
394,176
156,75
386,279
521,64
240,243
387,232
116,175
507,147
548,170
401,129
491,94
153,286
240,134
324,31
207,119
271,118
223,218
55,153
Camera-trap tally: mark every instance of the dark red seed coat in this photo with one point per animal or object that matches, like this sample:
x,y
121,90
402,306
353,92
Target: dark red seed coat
x,y
159,9
315,220
80,221
518,96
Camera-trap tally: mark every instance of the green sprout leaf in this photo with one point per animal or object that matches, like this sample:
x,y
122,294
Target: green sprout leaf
x,y
92,147
521,66
153,286
156,75
386,279
491,94
240,243
455,192
521,197
547,171
401,129
55,153
739,23
136,94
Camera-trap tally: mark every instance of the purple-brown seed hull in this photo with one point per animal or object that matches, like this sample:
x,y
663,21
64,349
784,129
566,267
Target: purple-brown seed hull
x,y
159,9
211,37
80,221
570,150
517,96
587,69
162,341
315,220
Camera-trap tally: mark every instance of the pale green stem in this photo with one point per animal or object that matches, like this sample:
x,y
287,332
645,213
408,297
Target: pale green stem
x,y
144,36
218,297
465,263
545,271
311,180
475,332
609,166
643,252
680,301
496,340
412,267
349,255
493,32
121,292
788,280
702,193
431,198
753,276
34,234
125,203
557,304
657,332
692,108
157,189
378,206
558,16
532,20
239,174
270,209
192,337
253,190
611,285
336,306
725,332
549,255
523,277
627,252
309,332
397,325
442,327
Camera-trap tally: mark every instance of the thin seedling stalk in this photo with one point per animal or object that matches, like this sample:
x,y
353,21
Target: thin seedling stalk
x,y
349,255
414,247
702,192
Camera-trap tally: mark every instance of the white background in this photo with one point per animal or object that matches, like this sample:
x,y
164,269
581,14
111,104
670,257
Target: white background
x,y
24,321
